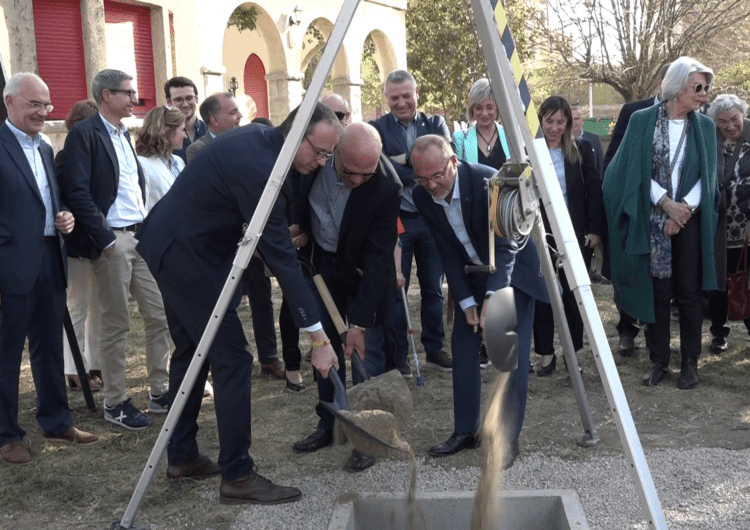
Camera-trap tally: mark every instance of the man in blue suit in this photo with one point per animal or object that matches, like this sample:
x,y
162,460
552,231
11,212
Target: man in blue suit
x,y
189,242
398,130
452,198
33,270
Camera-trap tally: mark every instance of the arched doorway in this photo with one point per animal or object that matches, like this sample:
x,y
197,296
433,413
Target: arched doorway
x,y
255,84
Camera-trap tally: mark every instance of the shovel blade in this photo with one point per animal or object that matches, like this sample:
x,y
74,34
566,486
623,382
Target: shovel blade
x,y
500,330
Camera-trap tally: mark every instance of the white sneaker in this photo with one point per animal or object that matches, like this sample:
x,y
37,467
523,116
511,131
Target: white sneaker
x,y
208,390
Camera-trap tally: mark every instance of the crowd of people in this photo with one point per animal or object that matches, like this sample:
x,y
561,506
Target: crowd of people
x,y
158,219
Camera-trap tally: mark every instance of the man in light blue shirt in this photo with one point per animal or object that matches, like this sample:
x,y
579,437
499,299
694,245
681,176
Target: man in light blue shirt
x,y
104,187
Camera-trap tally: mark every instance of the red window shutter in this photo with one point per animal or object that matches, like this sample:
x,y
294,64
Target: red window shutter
x,y
140,16
59,45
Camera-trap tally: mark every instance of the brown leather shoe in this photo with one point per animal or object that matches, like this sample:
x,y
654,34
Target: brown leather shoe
x,y
73,436
275,369
16,453
255,489
199,469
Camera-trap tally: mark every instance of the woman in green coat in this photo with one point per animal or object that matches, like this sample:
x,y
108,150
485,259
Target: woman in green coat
x,y
661,198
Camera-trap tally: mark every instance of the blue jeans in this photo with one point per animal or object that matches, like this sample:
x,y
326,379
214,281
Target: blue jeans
x,y
417,242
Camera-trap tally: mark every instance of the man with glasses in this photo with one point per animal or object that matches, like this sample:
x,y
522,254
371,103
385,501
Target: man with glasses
x,y
182,94
104,186
190,241
451,196
399,129
348,209
33,268
340,107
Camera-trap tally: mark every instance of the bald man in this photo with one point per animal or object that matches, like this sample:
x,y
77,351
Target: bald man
x,y
348,210
340,107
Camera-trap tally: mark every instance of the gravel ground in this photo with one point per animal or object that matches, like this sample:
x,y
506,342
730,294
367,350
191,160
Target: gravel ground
x,y
698,489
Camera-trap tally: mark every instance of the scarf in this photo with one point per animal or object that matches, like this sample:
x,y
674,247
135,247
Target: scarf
x,y
661,170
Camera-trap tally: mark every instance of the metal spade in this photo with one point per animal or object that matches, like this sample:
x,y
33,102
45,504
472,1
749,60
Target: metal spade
x,y
500,330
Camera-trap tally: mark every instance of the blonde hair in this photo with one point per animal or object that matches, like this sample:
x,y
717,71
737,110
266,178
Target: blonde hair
x,y
153,136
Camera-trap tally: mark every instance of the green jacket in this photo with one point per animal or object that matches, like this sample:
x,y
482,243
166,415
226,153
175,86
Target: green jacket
x,y
627,202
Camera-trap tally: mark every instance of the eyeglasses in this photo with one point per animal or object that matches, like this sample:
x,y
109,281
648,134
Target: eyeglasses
x,y
38,105
701,88
346,173
423,181
320,154
181,100
132,94
340,115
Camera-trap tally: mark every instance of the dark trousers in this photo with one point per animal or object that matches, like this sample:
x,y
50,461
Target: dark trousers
x,y
544,321
467,383
289,333
37,314
685,286
231,364
718,300
417,242
258,289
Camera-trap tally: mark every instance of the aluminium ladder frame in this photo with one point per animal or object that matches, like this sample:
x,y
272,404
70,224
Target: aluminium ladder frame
x,y
525,150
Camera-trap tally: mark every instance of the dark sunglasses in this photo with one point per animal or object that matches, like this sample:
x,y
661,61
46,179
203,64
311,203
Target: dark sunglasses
x,y
340,115
701,88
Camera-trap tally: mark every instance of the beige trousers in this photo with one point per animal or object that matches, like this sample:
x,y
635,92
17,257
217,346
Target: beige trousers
x,y
126,272
83,305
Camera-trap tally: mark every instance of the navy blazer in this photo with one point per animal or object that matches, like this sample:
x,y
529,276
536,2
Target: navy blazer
x,y
521,269
367,239
598,150
22,216
89,182
189,239
394,139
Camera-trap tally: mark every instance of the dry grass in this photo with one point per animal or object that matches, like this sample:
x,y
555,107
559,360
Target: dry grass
x,y
89,487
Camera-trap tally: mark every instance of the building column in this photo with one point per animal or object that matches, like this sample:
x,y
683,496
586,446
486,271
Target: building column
x,y
352,91
94,39
284,94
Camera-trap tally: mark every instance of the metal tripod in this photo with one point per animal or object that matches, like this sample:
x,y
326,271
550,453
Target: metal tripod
x,y
526,152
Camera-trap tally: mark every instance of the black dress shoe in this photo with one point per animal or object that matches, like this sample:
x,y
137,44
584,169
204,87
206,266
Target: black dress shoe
x,y
457,442
198,469
358,462
655,375
626,346
295,387
688,376
546,371
255,489
320,438
719,345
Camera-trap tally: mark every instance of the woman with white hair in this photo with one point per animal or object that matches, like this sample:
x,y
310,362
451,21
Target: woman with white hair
x,y
661,196
484,142
733,171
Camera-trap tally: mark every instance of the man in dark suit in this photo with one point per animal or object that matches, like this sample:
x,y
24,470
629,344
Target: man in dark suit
x,y
348,210
398,130
104,187
33,270
453,200
189,241
593,139
182,94
221,113
627,326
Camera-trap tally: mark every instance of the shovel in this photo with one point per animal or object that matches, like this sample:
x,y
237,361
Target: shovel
x,y
362,439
